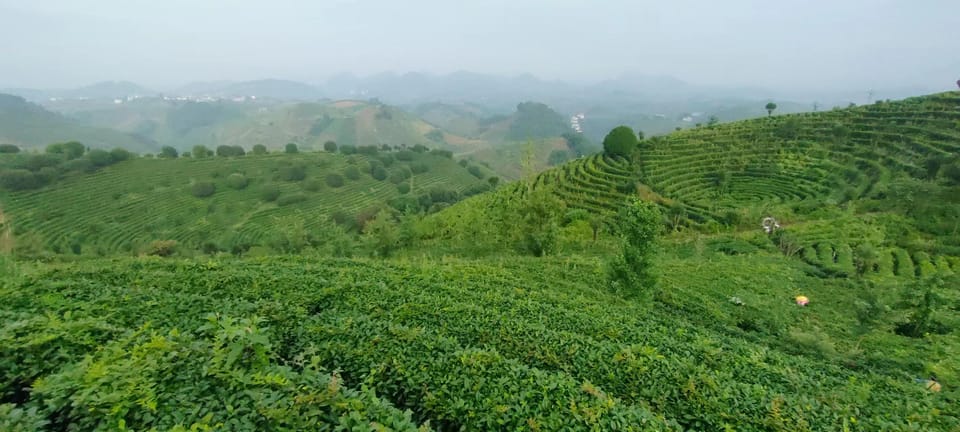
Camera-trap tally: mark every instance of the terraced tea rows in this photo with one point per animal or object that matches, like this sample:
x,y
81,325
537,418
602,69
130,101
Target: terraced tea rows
x,y
793,157
490,345
133,203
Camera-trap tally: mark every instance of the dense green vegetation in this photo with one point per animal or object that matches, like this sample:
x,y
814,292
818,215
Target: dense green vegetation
x,y
634,289
211,204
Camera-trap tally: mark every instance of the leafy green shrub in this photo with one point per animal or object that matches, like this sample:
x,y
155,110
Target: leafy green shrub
x,y
400,174
259,149
404,155
348,149
640,223
334,180
403,188
475,189
558,157
291,148
386,159
228,150
100,158
120,155
575,215
203,189
9,148
369,150
475,171
71,149
19,179
330,146
419,148
237,181
382,234
442,153
201,151
419,167
270,193
168,152
621,141
379,173
17,419
295,172
161,248
534,222
732,246
312,185
79,165
289,199
143,380
352,173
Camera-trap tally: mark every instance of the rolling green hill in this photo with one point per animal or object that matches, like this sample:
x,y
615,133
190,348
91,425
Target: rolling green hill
x,y
125,207
461,129
867,166
184,124
455,326
30,126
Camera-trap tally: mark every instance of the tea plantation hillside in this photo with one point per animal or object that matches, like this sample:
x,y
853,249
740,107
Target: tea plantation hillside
x,y
630,290
227,203
511,344
844,154
873,189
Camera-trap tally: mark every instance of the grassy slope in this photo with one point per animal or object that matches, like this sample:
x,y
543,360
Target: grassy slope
x,y
127,205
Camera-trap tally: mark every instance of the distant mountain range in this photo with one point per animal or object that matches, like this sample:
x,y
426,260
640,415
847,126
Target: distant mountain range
x,y
31,126
468,102
500,92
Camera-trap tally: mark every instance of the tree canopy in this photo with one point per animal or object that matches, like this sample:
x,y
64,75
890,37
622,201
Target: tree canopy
x,y
620,141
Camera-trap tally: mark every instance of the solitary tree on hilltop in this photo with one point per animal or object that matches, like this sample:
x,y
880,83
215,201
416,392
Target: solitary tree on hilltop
x,y
770,108
620,142
958,83
168,152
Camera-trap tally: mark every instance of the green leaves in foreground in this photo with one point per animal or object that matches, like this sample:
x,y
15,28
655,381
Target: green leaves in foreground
x,y
227,378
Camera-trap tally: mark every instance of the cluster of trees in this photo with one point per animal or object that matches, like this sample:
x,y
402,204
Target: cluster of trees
x,y
22,171
536,120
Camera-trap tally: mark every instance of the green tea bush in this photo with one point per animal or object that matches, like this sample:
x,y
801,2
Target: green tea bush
x,y
289,199
334,180
269,193
352,173
237,181
203,189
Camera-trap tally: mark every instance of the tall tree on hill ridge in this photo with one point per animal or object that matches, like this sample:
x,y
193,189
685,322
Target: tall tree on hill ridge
x,y
770,108
620,142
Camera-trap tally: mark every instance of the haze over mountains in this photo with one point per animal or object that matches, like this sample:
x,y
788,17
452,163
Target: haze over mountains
x,y
418,87
654,104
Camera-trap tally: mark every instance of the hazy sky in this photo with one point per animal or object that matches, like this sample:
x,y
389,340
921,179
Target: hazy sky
x,y
797,43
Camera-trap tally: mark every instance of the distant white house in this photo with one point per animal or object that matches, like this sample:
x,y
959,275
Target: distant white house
x,y
575,122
